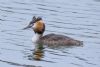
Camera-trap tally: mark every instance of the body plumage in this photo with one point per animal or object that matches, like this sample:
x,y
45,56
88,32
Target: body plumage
x,y
50,39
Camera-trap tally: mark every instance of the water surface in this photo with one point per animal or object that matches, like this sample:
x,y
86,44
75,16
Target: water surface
x,y
79,19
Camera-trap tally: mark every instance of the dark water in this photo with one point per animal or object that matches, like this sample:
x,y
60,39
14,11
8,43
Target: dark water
x,y
79,19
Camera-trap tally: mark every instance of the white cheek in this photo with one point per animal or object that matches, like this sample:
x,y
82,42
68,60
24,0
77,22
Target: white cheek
x,y
34,25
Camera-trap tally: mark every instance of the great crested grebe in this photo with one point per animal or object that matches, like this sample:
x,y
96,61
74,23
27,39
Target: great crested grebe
x,y
50,39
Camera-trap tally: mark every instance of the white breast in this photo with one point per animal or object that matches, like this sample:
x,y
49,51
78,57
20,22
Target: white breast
x,y
36,37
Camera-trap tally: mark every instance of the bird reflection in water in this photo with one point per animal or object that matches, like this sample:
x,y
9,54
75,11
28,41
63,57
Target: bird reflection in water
x,y
38,51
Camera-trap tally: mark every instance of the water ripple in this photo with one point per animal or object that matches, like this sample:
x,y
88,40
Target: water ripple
x,y
17,64
77,19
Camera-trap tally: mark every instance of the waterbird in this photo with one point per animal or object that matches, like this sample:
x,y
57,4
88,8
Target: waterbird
x,y
38,26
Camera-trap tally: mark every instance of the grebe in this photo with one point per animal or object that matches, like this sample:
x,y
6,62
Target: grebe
x,y
38,27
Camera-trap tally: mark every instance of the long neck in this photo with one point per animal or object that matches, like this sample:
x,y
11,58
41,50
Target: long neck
x,y
36,37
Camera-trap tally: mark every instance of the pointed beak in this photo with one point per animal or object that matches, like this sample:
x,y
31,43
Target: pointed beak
x,y
29,26
31,23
